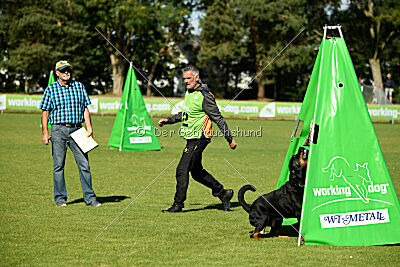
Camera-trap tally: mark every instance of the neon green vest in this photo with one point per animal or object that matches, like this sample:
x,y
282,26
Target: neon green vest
x,y
194,119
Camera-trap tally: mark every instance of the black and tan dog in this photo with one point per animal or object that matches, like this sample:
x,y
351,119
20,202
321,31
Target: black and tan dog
x,y
269,209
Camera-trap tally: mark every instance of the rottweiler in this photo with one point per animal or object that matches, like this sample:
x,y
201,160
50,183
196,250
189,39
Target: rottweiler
x,y
269,209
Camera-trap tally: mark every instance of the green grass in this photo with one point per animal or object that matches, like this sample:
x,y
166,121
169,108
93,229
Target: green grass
x,y
35,231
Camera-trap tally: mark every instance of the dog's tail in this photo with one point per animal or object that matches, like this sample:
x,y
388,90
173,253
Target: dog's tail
x,y
242,202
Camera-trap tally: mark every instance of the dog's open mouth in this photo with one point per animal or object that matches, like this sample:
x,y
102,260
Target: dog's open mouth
x,y
303,156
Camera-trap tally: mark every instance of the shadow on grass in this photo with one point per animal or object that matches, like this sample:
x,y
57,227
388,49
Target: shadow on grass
x,y
389,245
288,230
285,231
212,207
102,199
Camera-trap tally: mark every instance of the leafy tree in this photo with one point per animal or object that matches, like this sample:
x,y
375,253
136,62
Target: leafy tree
x,y
222,45
373,37
392,64
40,33
253,32
143,31
122,23
173,28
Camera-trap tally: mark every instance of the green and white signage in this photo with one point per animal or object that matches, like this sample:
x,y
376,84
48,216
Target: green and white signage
x,y
133,130
160,106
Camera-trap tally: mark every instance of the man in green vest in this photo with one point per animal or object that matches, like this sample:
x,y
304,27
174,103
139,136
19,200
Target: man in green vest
x,y
198,113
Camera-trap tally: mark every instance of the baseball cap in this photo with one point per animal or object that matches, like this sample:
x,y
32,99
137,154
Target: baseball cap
x,y
62,65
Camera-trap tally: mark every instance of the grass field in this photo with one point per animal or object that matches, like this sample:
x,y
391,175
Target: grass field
x,y
35,231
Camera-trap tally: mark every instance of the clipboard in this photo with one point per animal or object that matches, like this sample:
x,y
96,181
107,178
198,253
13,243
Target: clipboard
x,y
84,142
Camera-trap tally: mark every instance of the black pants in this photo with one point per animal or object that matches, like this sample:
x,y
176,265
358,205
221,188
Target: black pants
x,y
191,162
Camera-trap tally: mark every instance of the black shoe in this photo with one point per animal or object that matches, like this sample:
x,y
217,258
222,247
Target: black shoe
x,y
173,208
94,203
61,203
226,199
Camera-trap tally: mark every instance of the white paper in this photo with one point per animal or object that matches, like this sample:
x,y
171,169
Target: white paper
x,y
84,142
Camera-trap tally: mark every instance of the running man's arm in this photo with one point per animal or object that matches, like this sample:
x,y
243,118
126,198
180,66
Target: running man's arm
x,y
211,109
171,120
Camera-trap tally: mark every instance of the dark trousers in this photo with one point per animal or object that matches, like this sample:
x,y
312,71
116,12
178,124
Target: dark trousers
x,y
191,162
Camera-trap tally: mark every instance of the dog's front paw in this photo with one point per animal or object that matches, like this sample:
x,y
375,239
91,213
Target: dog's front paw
x,y
254,235
258,235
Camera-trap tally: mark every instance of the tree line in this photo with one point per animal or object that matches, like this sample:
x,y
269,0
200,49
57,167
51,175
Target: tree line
x,y
260,48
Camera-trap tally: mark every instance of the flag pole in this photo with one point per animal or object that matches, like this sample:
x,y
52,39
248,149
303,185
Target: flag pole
x,y
123,126
126,107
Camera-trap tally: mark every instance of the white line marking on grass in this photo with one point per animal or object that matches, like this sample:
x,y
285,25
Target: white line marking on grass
x,y
105,228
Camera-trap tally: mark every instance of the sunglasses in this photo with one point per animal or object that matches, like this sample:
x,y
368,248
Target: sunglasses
x,y
69,70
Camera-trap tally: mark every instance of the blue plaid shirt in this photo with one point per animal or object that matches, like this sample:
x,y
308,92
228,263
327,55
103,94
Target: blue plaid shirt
x,y
66,104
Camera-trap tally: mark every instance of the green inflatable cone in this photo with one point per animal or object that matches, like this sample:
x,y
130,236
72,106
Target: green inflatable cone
x,y
51,78
349,198
133,130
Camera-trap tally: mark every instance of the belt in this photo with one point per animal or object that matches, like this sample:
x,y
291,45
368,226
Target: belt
x,y
71,124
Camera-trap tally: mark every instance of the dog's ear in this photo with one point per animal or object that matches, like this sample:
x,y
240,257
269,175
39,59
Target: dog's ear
x,y
305,154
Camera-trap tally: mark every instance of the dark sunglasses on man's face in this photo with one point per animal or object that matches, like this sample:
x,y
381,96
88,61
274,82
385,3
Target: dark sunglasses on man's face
x,y
69,70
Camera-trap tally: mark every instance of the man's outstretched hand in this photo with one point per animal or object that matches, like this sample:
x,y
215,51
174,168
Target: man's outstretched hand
x,y
233,144
162,122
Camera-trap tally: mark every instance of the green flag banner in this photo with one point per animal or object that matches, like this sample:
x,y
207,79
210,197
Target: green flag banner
x,y
51,78
349,198
133,130
51,81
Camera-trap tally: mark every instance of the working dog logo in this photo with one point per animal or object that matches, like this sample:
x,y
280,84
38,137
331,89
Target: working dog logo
x,y
139,126
352,183
268,111
358,179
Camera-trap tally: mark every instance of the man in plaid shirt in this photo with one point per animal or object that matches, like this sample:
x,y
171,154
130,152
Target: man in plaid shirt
x,y
65,106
